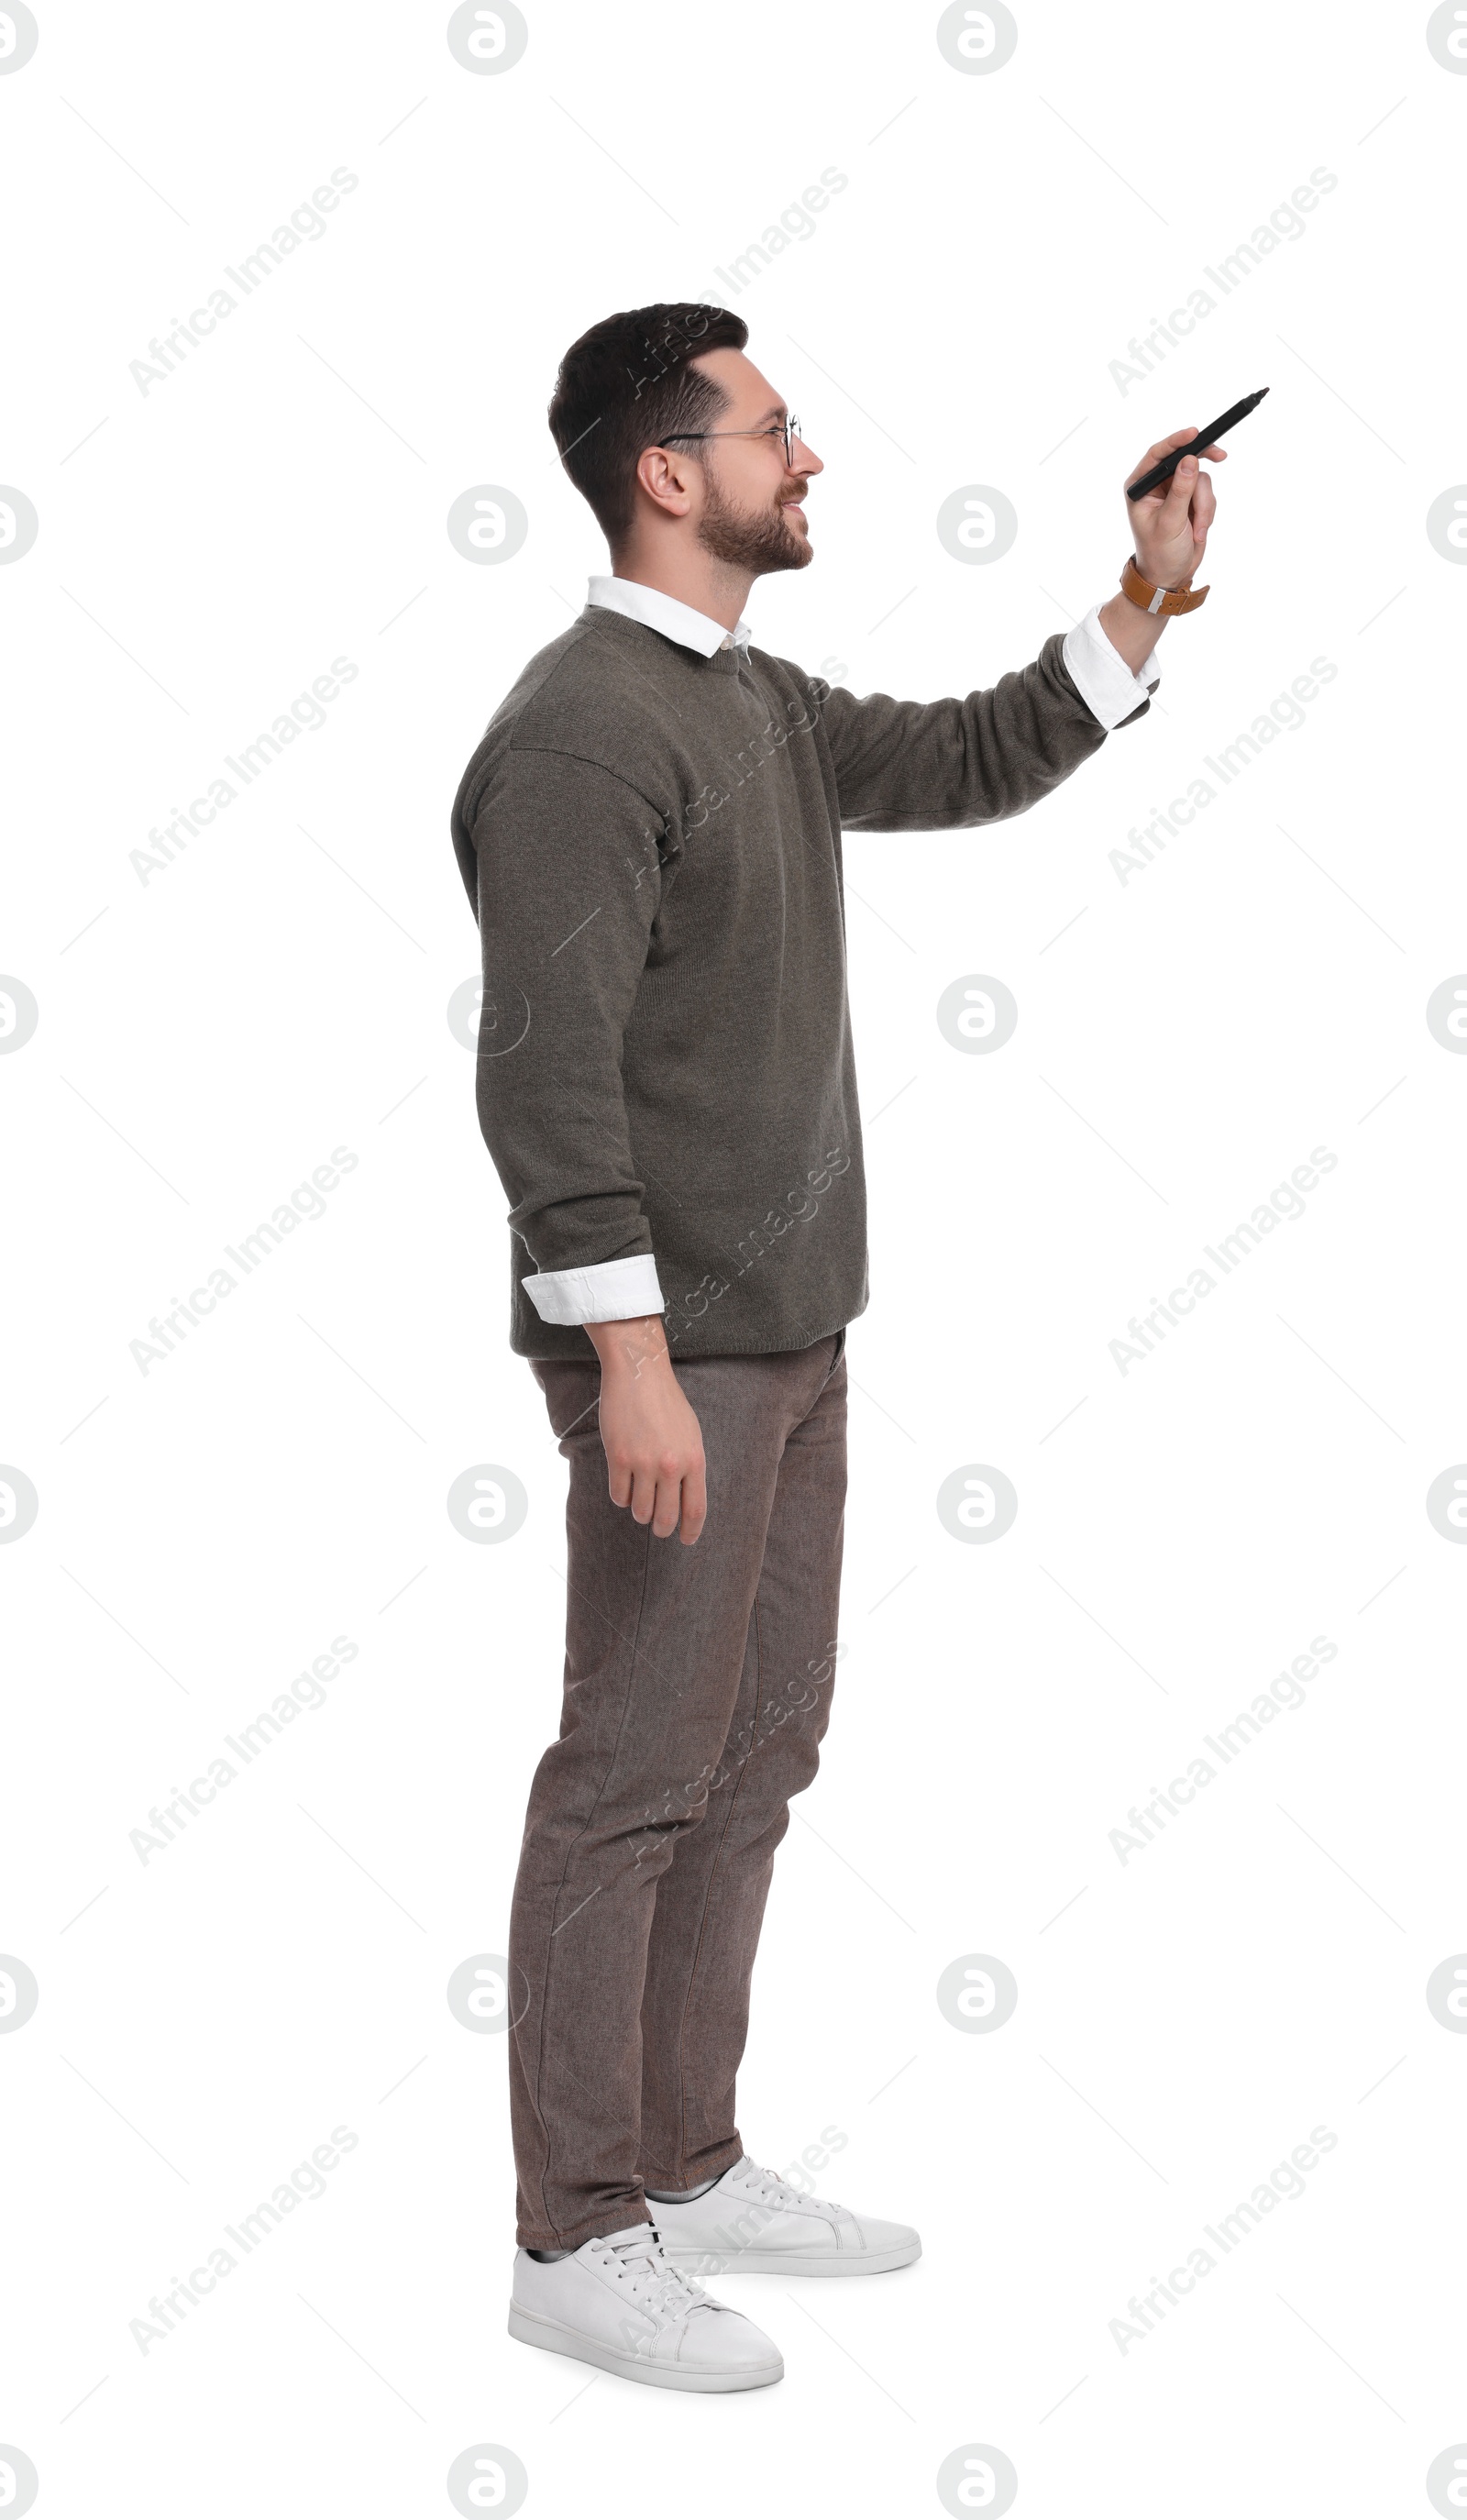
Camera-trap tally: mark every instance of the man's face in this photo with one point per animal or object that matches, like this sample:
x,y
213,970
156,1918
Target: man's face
x,y
753,504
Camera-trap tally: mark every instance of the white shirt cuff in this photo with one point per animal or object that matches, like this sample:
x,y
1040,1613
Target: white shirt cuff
x,y
1100,674
611,1290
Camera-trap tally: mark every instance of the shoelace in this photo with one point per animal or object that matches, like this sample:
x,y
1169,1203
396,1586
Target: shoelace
x,y
641,2265
770,2184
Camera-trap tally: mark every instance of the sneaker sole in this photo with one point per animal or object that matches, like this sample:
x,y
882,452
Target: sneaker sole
x,y
779,2262
532,2329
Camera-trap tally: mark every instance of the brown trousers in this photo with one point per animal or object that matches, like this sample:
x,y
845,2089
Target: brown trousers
x,y
697,1689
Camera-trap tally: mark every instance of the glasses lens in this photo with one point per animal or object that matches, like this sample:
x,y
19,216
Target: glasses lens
x,y
791,433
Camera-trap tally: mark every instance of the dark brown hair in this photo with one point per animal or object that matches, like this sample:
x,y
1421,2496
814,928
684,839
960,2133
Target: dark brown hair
x,y
628,384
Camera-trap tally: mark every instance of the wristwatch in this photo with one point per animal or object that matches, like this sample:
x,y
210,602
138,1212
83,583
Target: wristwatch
x,y
1160,599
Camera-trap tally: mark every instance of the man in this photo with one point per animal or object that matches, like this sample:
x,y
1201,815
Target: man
x,y
650,835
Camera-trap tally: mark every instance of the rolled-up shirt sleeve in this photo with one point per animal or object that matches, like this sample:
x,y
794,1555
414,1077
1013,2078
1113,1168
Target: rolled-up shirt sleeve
x,y
1109,689
613,1290
569,884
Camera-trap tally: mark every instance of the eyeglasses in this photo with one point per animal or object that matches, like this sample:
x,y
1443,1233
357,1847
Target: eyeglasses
x,y
788,430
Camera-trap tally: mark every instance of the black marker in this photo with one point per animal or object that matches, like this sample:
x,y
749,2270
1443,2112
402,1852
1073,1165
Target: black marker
x,y
1164,471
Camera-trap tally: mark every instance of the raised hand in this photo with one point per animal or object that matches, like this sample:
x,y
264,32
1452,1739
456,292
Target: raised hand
x,y
1169,524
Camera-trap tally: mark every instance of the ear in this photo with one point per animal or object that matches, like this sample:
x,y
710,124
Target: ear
x,y
668,477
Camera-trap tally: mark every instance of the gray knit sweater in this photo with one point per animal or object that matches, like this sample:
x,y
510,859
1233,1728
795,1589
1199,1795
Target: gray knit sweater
x,y
652,844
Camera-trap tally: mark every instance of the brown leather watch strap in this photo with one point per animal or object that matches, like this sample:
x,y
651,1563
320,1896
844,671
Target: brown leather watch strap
x,y
1160,599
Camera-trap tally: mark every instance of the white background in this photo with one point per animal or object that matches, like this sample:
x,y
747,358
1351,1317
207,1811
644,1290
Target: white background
x,y
207,1037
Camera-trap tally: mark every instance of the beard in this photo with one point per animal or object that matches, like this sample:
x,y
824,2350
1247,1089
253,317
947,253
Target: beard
x,y
760,541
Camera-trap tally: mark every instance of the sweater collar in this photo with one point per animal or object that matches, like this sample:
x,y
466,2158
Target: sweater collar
x,y
677,621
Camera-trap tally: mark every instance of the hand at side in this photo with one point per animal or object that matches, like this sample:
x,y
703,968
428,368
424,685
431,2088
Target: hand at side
x,y
651,1438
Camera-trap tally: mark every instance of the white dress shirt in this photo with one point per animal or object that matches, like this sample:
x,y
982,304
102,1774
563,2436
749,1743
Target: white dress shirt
x,y
620,1291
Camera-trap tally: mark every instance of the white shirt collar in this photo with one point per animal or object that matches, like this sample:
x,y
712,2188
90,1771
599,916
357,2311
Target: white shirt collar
x,y
659,612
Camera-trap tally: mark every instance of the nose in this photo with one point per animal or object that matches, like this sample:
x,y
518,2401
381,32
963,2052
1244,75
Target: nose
x,y
803,459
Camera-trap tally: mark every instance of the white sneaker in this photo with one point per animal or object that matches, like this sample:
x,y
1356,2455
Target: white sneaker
x,y
617,2303
752,2223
